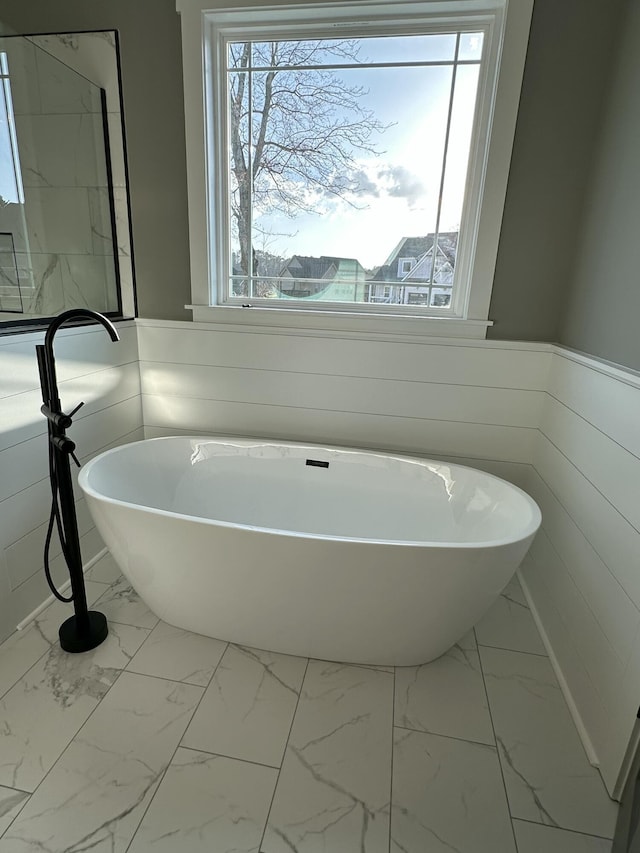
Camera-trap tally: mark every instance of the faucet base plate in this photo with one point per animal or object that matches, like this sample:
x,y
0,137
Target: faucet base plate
x,y
72,640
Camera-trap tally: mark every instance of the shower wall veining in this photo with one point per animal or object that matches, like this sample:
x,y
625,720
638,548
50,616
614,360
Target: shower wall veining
x,y
562,424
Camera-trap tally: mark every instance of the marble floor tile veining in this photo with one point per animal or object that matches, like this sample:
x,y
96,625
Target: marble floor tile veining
x,y
446,696
120,603
247,710
20,651
448,795
334,788
47,707
509,623
105,570
207,802
164,741
537,838
548,777
179,655
96,795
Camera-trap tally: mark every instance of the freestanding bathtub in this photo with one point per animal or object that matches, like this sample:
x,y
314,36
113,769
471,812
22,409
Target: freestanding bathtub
x,y
323,552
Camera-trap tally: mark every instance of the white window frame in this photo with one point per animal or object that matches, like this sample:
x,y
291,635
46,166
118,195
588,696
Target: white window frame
x,y
506,23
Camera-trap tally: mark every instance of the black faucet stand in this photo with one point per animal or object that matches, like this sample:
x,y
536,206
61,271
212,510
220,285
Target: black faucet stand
x,y
86,629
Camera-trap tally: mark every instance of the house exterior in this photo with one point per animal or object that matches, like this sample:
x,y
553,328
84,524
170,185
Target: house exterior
x,y
328,279
406,277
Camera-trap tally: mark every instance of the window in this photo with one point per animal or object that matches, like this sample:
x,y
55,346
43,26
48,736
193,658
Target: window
x,y
346,155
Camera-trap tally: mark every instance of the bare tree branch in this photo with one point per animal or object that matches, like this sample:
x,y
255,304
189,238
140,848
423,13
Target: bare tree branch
x,y
298,139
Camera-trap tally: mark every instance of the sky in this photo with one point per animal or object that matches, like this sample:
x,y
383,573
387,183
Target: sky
x,y
403,180
8,188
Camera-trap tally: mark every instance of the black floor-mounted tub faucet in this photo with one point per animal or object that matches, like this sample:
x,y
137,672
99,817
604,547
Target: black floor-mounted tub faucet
x,y
86,629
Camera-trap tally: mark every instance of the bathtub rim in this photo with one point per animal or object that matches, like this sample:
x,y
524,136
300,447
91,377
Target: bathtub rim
x,y
528,531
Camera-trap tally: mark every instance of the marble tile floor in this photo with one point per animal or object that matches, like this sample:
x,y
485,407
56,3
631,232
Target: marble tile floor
x,y
162,740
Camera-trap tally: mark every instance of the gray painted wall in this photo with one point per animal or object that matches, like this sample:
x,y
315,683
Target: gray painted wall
x,y
566,74
567,69
154,121
602,314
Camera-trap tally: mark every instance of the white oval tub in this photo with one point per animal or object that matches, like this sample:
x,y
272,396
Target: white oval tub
x,y
362,557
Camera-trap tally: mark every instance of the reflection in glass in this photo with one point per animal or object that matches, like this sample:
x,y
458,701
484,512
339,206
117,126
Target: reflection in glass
x,y
56,214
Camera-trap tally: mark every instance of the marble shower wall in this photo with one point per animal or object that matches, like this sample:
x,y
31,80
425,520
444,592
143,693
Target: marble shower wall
x,y
62,234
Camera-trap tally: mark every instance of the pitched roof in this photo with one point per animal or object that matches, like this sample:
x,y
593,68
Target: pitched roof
x,y
417,248
324,267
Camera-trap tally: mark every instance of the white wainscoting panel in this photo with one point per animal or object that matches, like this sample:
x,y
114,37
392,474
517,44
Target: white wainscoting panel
x,y
583,572
478,401
481,363
91,368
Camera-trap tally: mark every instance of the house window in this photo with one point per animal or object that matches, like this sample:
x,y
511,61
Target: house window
x,y
346,152
332,140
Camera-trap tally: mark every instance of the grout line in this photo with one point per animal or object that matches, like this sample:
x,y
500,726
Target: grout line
x,y
561,828
161,677
230,757
28,670
275,787
50,770
493,727
17,790
515,651
51,644
17,815
140,627
448,737
164,772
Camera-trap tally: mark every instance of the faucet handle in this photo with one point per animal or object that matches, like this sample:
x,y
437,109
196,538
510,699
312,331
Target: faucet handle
x,y
77,409
64,443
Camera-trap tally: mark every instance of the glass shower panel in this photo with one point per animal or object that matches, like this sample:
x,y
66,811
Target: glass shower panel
x,y
56,218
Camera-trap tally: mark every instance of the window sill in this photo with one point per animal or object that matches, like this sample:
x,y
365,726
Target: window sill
x,y
315,323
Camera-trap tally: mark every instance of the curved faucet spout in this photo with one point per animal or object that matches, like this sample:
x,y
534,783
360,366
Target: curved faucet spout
x,y
78,313
46,358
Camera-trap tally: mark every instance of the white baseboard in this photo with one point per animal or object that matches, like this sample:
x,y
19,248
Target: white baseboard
x,y
592,755
65,586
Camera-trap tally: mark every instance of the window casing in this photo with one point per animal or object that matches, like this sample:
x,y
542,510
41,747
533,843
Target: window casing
x,y
467,303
